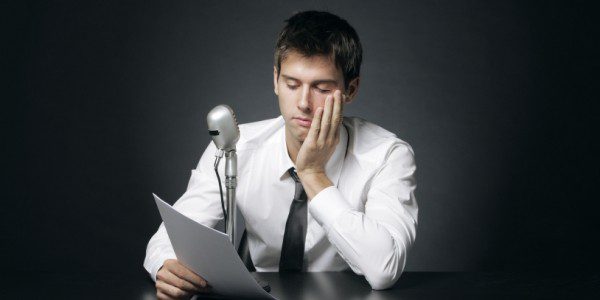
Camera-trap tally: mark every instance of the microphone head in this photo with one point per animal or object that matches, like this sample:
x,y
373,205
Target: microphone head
x,y
223,127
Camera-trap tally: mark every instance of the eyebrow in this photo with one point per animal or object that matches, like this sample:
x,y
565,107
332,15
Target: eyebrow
x,y
318,81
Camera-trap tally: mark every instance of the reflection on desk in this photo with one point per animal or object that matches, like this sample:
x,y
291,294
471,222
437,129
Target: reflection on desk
x,y
322,285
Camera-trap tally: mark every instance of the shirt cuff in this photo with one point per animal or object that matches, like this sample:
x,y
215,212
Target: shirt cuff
x,y
327,206
159,263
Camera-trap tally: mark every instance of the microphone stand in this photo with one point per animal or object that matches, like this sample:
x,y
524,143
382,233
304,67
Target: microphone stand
x,y
230,185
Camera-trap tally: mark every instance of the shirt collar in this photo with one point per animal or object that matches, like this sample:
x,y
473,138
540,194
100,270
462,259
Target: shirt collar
x,y
333,168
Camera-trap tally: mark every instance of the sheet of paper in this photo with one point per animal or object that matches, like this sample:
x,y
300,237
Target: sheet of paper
x,y
209,253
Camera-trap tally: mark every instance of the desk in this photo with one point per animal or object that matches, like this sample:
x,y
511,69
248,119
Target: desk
x,y
327,285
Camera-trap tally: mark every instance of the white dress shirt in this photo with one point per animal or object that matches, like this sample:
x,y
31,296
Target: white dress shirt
x,y
367,221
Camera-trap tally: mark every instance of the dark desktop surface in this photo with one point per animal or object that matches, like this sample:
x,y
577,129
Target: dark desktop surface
x,y
323,285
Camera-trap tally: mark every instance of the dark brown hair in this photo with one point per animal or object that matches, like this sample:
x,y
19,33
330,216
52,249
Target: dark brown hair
x,y
321,33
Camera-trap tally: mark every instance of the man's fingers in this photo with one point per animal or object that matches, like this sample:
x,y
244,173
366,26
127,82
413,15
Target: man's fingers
x,y
181,283
326,120
162,296
186,274
336,116
172,291
315,126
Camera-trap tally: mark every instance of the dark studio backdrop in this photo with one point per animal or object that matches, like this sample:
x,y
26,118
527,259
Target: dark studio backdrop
x,y
106,103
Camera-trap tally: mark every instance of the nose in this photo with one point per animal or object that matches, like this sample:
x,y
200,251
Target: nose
x,y
305,101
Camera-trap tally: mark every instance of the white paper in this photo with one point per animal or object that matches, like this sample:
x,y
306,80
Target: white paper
x,y
209,253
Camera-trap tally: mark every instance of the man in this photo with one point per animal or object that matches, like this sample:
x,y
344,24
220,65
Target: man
x,y
318,191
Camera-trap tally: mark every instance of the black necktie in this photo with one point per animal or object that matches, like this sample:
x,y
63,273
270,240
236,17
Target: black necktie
x,y
292,248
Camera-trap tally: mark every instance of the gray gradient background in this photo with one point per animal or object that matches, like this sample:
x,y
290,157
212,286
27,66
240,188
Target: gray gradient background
x,y
107,102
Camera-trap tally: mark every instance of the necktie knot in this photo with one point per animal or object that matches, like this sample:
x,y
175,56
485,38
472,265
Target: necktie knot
x,y
292,172
299,194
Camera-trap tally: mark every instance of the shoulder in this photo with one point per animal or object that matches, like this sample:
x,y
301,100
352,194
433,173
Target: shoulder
x,y
372,145
256,134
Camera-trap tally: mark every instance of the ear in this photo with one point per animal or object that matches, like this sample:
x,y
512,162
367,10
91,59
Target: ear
x,y
275,78
352,89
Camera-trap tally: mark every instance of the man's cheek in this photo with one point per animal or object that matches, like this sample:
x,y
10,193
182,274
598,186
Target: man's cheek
x,y
320,102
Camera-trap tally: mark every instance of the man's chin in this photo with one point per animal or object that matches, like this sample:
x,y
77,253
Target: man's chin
x,y
301,138
299,133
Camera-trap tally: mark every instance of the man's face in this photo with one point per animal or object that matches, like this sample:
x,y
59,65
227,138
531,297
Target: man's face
x,y
302,86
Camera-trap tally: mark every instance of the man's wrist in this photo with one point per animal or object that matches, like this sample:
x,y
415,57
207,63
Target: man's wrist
x,y
314,182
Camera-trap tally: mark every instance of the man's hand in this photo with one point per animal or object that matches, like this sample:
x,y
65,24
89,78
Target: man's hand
x,y
319,145
175,281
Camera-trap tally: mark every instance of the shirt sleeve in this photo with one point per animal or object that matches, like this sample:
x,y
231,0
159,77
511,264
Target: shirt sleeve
x,y
375,242
200,202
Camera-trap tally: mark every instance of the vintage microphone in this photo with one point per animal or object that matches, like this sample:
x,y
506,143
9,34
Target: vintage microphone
x,y
225,133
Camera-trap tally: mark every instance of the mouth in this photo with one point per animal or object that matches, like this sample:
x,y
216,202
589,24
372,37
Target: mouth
x,y
304,122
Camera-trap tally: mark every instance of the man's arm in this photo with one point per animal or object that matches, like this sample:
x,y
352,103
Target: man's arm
x,y
373,243
201,202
